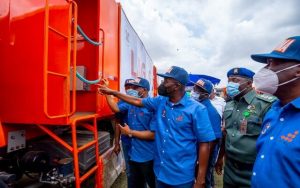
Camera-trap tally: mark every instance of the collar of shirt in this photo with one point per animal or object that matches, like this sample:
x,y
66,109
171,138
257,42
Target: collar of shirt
x,y
249,96
183,101
295,103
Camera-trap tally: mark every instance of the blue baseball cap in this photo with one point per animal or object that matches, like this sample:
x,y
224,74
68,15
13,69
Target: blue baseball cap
x,y
242,72
205,84
176,73
287,50
141,82
128,81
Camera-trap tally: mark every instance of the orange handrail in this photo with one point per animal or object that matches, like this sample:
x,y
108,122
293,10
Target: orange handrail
x,y
72,13
98,168
74,56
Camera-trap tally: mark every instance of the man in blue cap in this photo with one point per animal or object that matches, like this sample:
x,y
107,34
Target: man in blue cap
x,y
201,93
243,116
182,126
121,118
278,147
141,133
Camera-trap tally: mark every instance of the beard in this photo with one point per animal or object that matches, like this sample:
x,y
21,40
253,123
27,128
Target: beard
x,y
164,91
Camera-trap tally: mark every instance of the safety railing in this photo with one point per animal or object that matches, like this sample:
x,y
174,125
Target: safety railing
x,y
97,169
47,27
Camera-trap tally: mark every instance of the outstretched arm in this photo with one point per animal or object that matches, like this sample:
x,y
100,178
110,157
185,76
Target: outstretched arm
x,y
103,89
112,104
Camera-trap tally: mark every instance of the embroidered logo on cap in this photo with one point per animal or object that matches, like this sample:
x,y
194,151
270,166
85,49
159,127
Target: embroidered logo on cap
x,y
170,70
235,71
130,81
137,80
200,82
283,46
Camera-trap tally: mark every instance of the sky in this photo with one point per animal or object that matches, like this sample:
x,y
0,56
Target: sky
x,y
211,36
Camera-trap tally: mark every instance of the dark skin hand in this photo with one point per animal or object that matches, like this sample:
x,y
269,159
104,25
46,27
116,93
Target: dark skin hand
x,y
203,156
117,147
220,161
144,135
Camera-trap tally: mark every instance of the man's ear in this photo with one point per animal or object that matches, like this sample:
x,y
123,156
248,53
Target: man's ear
x,y
249,82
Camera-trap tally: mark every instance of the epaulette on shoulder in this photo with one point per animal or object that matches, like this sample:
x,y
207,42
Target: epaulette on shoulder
x,y
266,97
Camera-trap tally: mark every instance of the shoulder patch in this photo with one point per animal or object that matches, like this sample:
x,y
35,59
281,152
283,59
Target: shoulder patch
x,y
266,97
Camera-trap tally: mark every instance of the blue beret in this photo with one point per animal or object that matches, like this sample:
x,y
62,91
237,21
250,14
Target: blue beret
x,y
242,72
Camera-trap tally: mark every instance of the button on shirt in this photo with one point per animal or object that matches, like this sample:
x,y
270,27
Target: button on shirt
x,y
278,160
214,117
179,128
139,119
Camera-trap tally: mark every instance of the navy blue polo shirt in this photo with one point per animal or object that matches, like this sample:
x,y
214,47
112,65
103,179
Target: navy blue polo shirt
x,y
179,128
214,117
278,160
139,119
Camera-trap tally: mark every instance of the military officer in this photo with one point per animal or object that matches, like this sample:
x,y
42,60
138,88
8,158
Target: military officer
x,y
243,116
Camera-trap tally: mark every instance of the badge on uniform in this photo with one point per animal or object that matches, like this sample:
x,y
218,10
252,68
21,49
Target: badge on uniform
x,y
246,115
243,126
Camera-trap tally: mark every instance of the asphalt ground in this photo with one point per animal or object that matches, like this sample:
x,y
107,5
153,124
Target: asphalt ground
x,y
121,181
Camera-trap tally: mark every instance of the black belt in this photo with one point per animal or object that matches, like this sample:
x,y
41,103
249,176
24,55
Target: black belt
x,y
241,165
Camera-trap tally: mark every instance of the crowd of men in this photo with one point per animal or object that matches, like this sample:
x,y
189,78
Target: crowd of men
x,y
176,140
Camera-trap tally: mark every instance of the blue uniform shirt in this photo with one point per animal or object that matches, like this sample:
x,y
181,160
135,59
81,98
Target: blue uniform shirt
x,y
123,119
278,160
179,127
139,119
214,117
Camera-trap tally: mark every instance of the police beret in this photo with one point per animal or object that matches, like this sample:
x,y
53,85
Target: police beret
x,y
243,72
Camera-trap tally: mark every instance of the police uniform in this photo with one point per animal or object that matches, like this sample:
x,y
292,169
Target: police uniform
x,y
243,121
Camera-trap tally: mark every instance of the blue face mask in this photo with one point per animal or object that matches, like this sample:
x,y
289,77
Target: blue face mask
x,y
132,92
232,89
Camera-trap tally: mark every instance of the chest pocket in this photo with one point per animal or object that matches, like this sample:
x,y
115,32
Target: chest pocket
x,y
227,113
254,125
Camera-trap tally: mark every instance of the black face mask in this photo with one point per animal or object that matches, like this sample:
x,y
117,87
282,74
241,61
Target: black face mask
x,y
164,91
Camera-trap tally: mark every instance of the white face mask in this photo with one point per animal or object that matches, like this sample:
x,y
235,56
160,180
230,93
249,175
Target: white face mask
x,y
195,95
266,80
